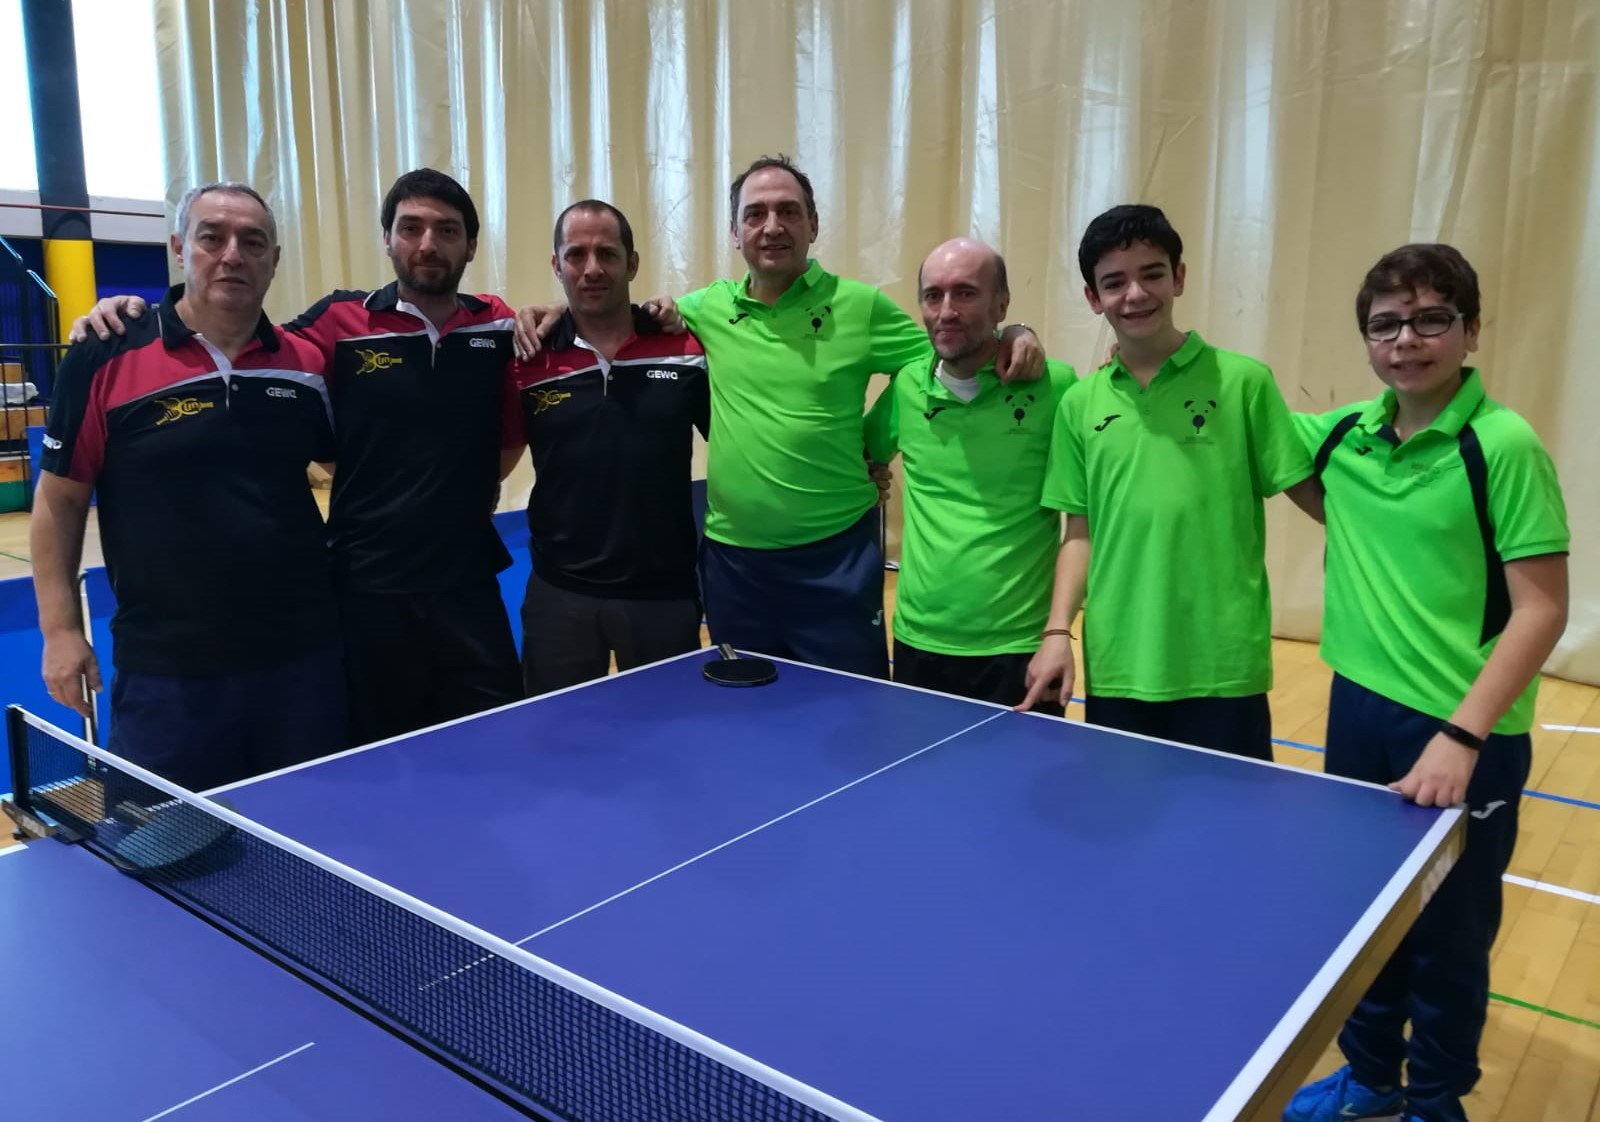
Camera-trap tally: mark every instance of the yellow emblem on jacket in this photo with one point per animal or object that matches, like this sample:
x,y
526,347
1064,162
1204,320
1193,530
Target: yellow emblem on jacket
x,y
177,408
376,360
548,399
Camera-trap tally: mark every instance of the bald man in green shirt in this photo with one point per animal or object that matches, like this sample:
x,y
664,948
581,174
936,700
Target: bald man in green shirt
x,y
977,549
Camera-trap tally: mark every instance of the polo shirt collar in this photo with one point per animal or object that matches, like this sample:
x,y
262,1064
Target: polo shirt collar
x,y
803,284
1179,359
1451,419
387,299
175,333
986,376
565,333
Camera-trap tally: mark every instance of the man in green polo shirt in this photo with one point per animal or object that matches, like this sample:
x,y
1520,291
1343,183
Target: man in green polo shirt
x,y
1446,590
977,548
1162,460
792,564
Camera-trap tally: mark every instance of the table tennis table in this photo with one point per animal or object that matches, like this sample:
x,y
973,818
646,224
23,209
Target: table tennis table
x,y
655,898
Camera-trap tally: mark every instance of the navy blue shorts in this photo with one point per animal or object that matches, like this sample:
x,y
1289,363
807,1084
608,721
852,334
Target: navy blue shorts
x,y
820,603
1000,678
203,731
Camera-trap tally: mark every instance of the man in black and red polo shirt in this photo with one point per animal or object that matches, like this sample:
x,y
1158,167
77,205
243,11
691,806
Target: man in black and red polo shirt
x,y
195,428
422,395
608,407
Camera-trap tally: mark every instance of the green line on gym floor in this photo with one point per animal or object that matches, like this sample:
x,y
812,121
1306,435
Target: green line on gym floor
x,y
1543,1011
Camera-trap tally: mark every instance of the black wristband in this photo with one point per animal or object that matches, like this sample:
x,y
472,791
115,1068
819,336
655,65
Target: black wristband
x,y
1462,737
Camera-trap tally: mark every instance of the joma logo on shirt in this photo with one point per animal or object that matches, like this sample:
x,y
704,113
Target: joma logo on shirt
x,y
376,360
177,408
548,399
481,341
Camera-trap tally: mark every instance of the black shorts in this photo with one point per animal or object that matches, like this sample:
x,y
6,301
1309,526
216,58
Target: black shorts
x,y
1239,725
415,659
1000,678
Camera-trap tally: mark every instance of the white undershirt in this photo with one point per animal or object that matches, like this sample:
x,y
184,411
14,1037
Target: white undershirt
x,y
964,388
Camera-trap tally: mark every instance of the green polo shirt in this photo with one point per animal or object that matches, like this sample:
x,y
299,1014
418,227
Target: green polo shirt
x,y
977,550
788,389
1172,479
1409,582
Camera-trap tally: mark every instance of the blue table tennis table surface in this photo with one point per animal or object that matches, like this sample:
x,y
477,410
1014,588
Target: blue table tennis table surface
x,y
923,907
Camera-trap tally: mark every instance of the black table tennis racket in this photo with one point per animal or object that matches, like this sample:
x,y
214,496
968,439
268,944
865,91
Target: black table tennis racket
x,y
729,668
165,836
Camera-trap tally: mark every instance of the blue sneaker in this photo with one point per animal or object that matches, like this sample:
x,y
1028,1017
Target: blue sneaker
x,y
1339,1098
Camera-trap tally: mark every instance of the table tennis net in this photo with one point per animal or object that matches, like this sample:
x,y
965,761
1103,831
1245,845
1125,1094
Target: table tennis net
x,y
557,1046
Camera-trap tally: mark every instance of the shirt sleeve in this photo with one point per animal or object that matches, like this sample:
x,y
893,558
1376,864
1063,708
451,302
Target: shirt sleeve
x,y
882,435
317,326
1278,455
1060,377
897,339
1525,502
1065,478
519,373
692,307
75,437
702,402
1313,428
512,434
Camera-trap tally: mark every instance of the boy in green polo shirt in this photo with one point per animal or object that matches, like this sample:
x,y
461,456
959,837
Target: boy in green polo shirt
x,y
1446,590
1162,461
977,548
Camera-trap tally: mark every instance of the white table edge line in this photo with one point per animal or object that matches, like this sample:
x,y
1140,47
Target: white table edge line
x,y
1276,1044
1086,725
360,748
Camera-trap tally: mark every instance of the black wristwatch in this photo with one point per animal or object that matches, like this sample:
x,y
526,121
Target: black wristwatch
x,y
1462,737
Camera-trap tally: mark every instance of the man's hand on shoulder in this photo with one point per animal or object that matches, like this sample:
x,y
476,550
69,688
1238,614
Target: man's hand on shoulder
x,y
1021,355
664,310
106,318
534,324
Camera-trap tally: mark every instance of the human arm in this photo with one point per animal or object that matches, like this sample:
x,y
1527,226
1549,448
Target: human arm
x,y
1308,496
1020,357
106,318
55,540
1538,588
1053,661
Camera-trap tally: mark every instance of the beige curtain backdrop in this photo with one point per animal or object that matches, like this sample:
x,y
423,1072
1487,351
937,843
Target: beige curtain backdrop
x,y
1291,142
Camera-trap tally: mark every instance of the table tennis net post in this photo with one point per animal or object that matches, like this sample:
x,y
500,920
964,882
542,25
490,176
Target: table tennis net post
x,y
551,1043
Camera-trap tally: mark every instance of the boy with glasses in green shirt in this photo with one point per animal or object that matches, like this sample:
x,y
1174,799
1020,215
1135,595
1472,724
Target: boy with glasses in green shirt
x,y
1446,590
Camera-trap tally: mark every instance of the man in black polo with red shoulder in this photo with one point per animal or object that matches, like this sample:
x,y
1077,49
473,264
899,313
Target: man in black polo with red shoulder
x,y
421,383
609,407
195,429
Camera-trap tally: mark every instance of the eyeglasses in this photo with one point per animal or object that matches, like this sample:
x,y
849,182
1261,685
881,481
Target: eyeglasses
x,y
1426,324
